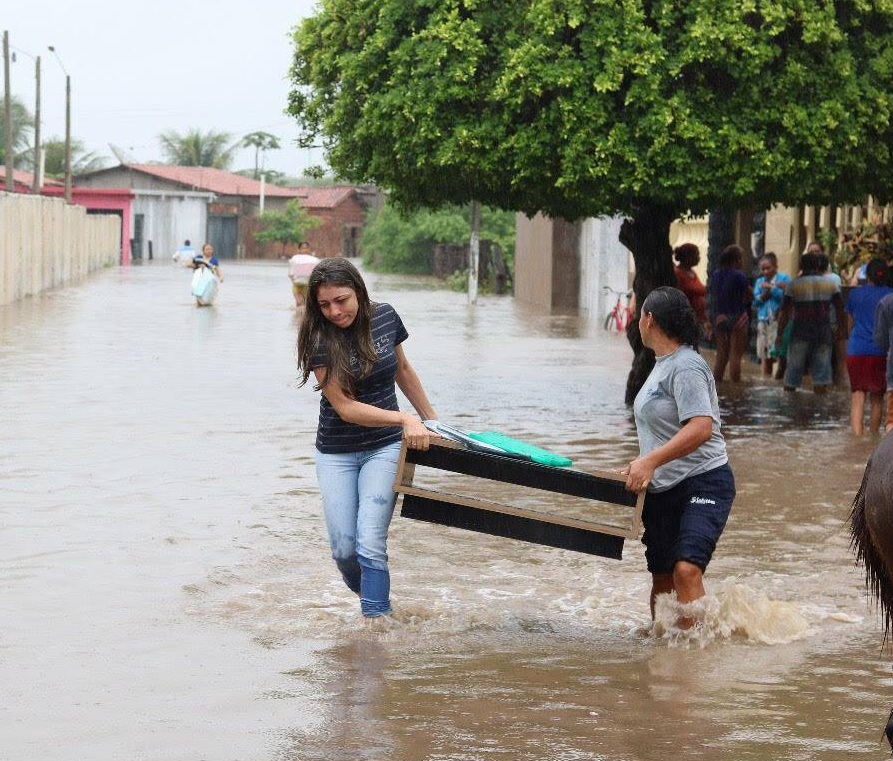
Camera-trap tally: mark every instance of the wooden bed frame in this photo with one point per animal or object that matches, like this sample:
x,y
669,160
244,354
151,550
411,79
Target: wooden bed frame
x,y
540,527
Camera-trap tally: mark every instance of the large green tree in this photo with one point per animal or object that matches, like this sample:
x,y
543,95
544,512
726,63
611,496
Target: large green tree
x,y
643,108
197,148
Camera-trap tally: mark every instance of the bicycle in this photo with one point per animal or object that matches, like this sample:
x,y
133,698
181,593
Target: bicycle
x,y
620,317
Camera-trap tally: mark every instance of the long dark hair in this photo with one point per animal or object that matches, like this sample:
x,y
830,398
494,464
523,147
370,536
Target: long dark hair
x,y
673,314
341,345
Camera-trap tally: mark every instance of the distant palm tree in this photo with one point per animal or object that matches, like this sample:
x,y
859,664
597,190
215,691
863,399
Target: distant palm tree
x,y
81,160
197,148
260,141
22,125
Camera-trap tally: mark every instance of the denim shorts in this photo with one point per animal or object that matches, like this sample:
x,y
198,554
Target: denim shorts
x,y
814,354
686,521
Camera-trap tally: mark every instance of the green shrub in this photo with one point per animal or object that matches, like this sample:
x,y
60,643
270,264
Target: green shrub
x,y
397,242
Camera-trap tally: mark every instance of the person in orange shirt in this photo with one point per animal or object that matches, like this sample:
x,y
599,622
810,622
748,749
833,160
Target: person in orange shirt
x,y
688,255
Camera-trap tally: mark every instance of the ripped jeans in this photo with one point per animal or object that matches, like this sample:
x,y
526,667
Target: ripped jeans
x,y
358,501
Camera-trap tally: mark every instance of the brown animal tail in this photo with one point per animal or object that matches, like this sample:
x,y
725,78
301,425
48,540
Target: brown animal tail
x,y
877,576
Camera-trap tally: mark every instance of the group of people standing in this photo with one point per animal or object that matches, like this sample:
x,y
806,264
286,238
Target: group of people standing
x,y
802,324
729,318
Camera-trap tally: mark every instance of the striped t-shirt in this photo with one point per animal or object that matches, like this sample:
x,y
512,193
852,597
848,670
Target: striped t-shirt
x,y
813,297
335,436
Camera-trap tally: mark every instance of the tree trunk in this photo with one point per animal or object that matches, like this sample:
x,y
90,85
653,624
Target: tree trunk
x,y
720,233
647,235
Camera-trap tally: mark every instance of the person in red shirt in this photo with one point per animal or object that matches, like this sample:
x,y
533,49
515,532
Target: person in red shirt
x,y
688,255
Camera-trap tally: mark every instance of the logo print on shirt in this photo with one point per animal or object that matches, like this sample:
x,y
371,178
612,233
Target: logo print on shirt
x,y
382,345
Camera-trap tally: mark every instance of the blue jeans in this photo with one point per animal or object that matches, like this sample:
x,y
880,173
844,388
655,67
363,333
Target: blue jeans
x,y
358,501
814,354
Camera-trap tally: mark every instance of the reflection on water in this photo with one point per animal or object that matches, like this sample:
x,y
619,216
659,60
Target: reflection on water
x,y
165,557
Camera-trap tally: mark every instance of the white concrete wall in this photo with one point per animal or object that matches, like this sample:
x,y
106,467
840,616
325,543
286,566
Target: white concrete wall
x,y
46,243
603,261
169,220
692,230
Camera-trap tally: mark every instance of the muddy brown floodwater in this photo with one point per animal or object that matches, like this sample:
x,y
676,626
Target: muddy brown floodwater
x,y
167,592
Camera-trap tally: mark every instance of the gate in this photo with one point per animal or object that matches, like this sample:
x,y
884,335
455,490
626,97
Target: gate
x,y
223,234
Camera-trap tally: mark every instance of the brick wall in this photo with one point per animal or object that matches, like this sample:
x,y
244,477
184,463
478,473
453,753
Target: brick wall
x,y
336,235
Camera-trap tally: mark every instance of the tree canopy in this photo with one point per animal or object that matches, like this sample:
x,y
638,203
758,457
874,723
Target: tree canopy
x,y
583,108
197,148
82,160
261,142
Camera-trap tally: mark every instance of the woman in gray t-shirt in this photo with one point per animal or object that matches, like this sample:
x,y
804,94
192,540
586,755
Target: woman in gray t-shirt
x,y
682,458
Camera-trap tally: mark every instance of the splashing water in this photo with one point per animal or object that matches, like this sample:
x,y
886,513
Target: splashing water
x,y
734,609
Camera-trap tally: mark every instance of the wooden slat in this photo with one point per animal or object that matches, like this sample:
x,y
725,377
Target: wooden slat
x,y
476,514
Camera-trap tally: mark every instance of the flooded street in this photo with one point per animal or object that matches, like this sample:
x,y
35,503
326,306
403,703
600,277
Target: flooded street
x,y
167,593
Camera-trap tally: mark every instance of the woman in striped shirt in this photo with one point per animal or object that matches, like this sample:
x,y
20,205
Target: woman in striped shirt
x,y
354,348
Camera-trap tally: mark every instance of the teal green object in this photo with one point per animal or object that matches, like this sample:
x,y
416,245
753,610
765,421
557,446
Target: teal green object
x,y
520,448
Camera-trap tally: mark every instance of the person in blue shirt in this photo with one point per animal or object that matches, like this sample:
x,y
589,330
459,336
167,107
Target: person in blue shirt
x,y
866,362
184,254
731,313
204,287
768,294
207,259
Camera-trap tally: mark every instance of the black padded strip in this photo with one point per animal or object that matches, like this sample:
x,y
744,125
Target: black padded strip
x,y
513,470
512,526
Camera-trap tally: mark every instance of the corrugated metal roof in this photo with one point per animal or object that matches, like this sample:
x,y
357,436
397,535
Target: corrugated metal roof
x,y
206,178
229,184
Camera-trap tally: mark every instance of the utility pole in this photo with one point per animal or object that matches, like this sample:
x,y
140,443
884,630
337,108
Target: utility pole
x,y
67,138
7,118
67,125
38,151
474,252
37,180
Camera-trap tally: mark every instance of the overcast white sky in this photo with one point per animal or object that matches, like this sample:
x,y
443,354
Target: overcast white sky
x,y
140,68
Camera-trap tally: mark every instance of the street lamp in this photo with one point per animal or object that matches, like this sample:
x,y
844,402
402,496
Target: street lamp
x,y
7,118
67,124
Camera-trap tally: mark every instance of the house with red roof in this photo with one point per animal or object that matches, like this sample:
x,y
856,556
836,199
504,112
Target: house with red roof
x,y
202,204
22,181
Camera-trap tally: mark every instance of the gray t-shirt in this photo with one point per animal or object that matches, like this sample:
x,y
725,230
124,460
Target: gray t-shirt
x,y
679,388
